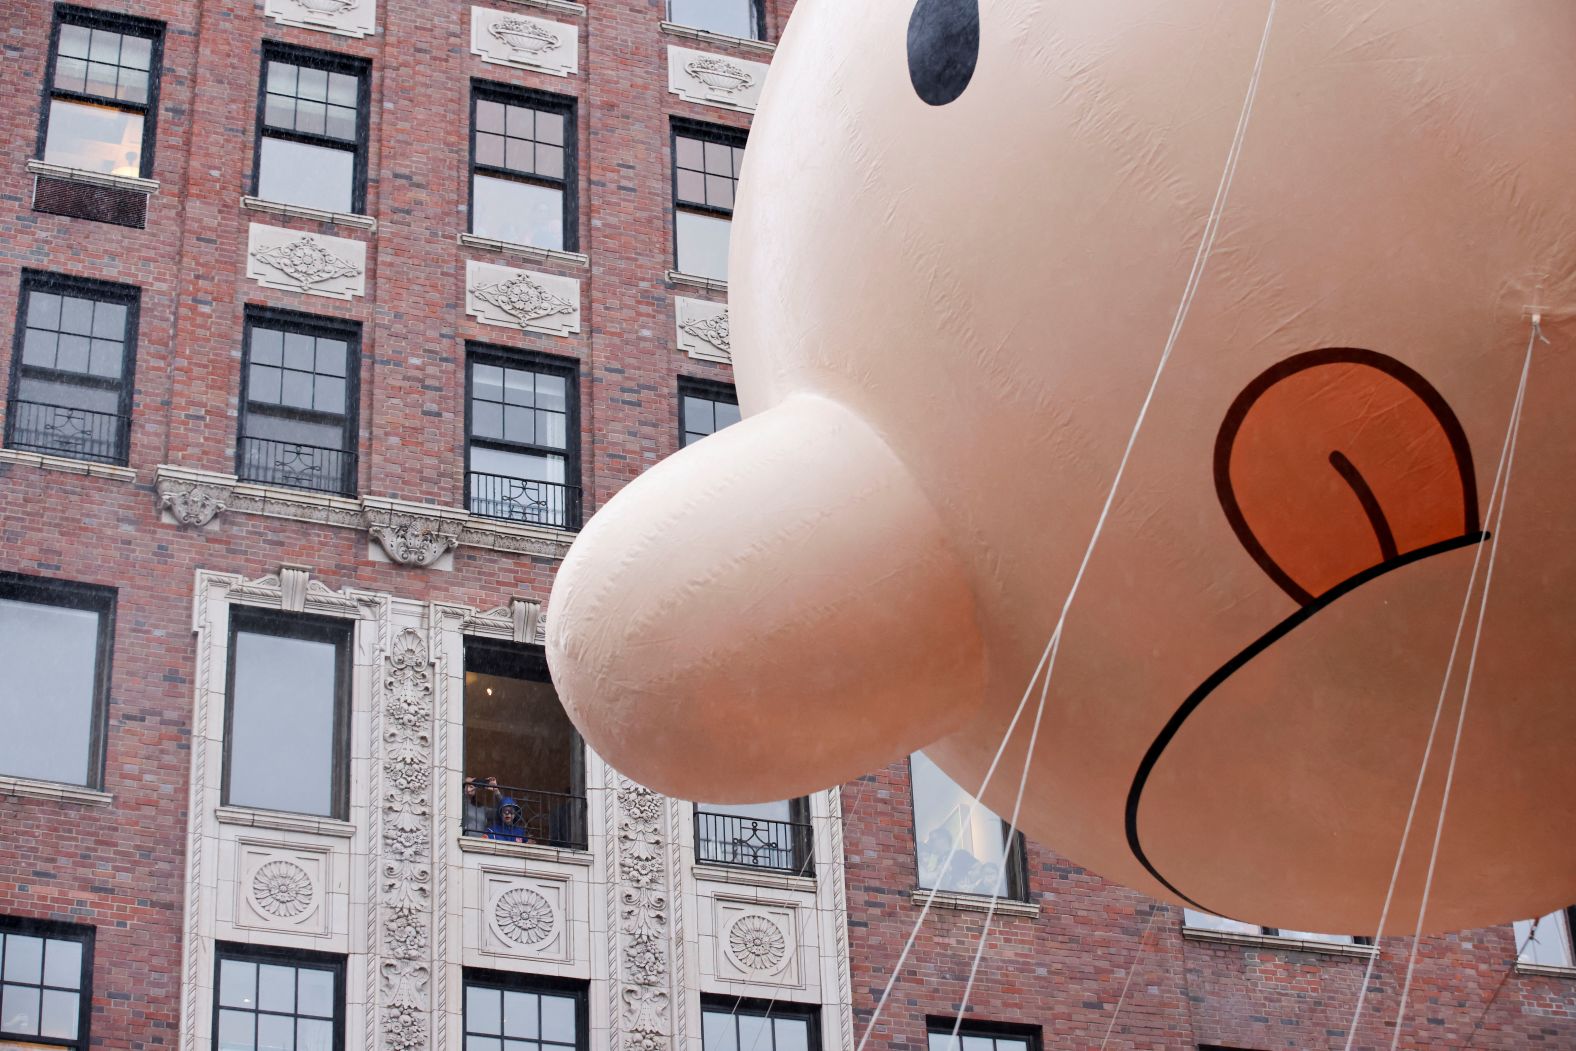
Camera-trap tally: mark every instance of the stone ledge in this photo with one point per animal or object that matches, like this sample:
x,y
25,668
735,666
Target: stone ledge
x,y
531,252
280,821
528,851
1546,970
33,789
747,877
117,182
1270,941
679,277
946,899
69,466
360,222
562,6
706,36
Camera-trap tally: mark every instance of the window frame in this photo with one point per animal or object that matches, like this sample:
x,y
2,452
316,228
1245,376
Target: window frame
x,y
757,9
942,1025
709,390
129,296
716,1003
527,662
566,106
800,816
1015,860
722,134
1269,932
311,628
49,591
515,358
112,22
521,982
331,62
319,327
85,935
269,954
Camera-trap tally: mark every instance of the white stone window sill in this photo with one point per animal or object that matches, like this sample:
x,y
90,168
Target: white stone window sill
x,y
1268,941
531,851
360,222
284,494
749,877
1547,970
706,36
88,468
279,821
946,899
118,182
679,277
540,255
32,789
563,6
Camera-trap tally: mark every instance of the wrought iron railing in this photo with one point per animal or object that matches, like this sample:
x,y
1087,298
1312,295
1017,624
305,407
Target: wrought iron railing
x,y
297,466
552,819
68,431
524,500
752,842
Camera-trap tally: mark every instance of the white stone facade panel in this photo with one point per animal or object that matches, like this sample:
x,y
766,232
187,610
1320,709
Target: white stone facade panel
x,y
715,80
522,299
311,264
506,38
703,330
355,18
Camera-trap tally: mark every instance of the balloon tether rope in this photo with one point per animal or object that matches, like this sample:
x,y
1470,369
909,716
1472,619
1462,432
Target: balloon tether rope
x,y
1047,660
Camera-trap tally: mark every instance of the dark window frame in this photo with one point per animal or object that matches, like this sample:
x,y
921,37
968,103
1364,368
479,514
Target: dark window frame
x,y
942,1025
539,984
268,954
1016,859
566,106
129,296
722,134
71,594
528,662
332,62
710,390
312,628
713,1003
799,816
91,18
515,358
320,327
757,8
83,934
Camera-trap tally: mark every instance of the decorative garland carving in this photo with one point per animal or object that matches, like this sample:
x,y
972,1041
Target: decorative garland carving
x,y
524,298
718,74
713,330
413,541
524,35
643,917
306,262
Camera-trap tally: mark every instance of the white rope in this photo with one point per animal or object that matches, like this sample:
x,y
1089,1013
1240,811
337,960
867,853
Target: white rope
x,y
1053,645
1444,690
1154,910
1497,532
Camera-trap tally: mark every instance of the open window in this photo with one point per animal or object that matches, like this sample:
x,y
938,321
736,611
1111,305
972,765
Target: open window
x,y
1548,942
962,846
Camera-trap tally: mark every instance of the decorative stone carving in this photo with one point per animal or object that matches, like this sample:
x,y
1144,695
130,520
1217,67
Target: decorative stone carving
x,y
715,80
527,43
756,942
282,888
501,295
524,916
312,264
703,329
193,504
643,918
412,538
344,17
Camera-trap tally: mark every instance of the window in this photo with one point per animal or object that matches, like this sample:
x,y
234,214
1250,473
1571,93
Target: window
x,y
55,649
1549,942
522,454
706,164
286,721
298,421
523,167
311,129
705,408
506,1013
757,1025
740,18
521,751
1207,922
272,1000
981,1036
46,998
102,95
776,836
71,368
985,861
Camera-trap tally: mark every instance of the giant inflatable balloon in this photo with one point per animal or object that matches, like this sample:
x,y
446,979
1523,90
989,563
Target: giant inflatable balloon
x,y
963,237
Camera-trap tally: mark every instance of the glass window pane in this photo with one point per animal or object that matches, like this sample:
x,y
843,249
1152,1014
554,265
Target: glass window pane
x,y
276,988
978,1043
551,429
519,1014
718,1032
72,353
341,123
489,116
1548,944
754,1033
489,149
278,112
109,320
519,387
19,1009
264,384
38,348
727,414
104,46
943,1041
297,390
483,1011
331,356
315,993
268,346
732,17
793,1034
313,84
487,419
275,1033
519,122
282,724
24,958
74,40
76,315
236,1031
719,191
558,1019
43,310
237,984
719,159
281,78
313,1034
136,52
343,89
483,1043
519,425
329,395
550,162
94,138
300,351
702,244
689,153
551,391
950,825
48,652
63,964
311,117
550,128
104,358
518,212
518,156
101,79
133,86
60,1013
71,74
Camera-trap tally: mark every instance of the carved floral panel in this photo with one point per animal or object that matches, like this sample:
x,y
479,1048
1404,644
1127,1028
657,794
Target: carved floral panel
x,y
282,888
509,39
715,80
757,941
344,17
703,330
522,299
311,264
524,916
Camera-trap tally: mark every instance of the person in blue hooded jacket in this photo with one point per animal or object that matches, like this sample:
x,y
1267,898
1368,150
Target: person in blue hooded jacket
x,y
509,825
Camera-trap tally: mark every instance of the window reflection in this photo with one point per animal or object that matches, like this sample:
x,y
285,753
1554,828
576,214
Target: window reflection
x,y
1549,943
92,138
945,817
738,18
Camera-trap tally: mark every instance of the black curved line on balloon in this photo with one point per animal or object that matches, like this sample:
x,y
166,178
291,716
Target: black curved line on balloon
x,y
1370,504
943,48
1210,685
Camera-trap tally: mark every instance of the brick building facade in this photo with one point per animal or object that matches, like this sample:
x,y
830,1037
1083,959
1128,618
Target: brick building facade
x,y
326,323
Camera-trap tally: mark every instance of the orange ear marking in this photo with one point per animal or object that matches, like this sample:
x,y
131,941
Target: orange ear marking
x,y
1338,460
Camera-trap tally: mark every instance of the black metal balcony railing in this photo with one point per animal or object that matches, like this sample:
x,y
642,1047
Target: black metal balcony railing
x,y
548,818
524,500
752,842
297,466
67,431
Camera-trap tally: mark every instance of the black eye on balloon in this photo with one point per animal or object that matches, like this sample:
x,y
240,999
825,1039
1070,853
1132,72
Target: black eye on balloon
x,y
943,48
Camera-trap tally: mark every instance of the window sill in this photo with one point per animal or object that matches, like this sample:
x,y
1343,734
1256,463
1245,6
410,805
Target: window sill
x,y
1546,970
31,789
283,822
1267,941
119,182
532,851
678,277
360,222
67,465
764,47
564,6
946,899
749,877
540,255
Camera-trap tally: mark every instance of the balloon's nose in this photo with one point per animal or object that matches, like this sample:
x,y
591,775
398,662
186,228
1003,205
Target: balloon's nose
x,y
774,610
